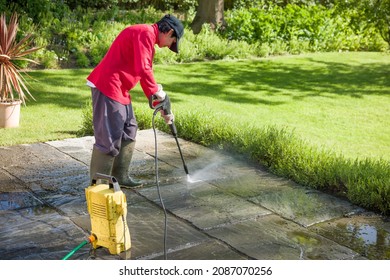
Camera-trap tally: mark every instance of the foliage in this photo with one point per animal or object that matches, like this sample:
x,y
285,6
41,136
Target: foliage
x,y
39,11
381,16
205,46
365,14
11,50
87,124
302,28
368,184
79,37
178,5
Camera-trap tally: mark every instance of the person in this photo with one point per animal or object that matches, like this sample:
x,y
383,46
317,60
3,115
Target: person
x,y
128,61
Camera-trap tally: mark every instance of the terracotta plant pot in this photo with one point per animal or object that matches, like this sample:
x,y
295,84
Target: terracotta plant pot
x,y
10,114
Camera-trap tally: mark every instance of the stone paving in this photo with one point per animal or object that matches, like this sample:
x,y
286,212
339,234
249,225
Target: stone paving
x,y
232,211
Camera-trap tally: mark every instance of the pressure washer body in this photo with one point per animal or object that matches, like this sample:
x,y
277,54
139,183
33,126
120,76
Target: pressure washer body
x,y
107,207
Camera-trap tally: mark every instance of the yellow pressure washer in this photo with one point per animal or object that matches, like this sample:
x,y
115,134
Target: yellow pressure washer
x,y
107,207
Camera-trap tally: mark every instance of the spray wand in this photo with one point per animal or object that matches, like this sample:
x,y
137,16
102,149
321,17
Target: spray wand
x,y
165,106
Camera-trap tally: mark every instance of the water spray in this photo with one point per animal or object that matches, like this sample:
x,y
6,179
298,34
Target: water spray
x,y
192,181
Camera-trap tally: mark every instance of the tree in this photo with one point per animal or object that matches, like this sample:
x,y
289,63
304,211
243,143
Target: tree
x,y
381,17
208,11
374,12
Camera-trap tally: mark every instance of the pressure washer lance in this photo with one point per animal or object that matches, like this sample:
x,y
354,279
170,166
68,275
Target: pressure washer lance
x,y
165,106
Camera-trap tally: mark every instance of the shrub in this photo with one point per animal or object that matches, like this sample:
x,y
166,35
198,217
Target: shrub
x,y
87,123
368,184
82,61
47,59
206,45
299,28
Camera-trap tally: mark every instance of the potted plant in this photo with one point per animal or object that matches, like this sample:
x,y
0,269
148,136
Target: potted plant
x,y
13,90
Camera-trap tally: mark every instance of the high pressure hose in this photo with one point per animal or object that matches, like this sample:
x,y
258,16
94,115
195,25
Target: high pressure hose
x,y
158,184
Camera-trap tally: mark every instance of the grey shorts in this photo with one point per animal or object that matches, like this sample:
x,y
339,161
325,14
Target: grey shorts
x,y
113,123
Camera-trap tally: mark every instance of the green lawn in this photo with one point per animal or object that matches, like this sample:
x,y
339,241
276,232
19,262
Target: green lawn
x,y
340,101
337,100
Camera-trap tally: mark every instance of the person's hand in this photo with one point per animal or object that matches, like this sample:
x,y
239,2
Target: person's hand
x,y
160,94
169,118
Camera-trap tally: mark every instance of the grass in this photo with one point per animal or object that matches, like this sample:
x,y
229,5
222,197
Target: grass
x,y
336,101
339,101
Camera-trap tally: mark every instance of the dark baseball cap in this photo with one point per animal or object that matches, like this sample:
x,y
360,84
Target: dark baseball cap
x,y
177,26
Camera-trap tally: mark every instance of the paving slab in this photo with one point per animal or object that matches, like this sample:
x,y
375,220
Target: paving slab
x,y
305,206
231,209
274,238
204,205
365,233
38,162
36,233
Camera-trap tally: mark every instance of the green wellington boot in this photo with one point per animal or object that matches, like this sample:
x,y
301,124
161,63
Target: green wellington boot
x,y
121,167
100,163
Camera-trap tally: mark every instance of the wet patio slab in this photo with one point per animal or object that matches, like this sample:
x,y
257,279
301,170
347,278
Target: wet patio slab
x,y
204,205
365,233
36,233
274,238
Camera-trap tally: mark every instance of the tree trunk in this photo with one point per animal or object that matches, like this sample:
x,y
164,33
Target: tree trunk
x,y
208,11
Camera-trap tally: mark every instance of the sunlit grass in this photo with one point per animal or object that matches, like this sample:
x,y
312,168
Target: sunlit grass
x,y
337,100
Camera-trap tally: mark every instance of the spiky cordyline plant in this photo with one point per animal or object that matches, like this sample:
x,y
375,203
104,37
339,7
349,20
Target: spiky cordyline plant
x,y
12,83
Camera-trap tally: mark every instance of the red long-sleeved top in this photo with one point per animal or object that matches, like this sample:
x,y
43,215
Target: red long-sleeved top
x,y
128,61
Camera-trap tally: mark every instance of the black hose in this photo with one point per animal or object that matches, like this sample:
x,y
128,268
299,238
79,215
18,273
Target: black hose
x,y
158,184
174,133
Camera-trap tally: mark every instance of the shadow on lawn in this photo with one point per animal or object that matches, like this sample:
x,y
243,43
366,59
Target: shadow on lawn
x,y
256,81
59,87
259,80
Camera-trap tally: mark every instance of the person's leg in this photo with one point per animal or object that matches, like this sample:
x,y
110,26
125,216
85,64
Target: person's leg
x,y
108,122
100,163
121,167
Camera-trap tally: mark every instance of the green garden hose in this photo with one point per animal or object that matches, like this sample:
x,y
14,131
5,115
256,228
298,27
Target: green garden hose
x,y
89,240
